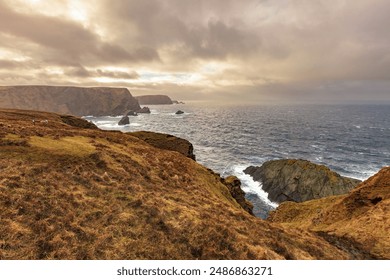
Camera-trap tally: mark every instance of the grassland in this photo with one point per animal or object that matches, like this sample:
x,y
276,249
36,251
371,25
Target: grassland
x,y
71,191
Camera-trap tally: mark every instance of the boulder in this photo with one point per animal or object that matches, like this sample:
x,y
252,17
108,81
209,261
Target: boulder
x,y
179,112
144,110
124,121
299,180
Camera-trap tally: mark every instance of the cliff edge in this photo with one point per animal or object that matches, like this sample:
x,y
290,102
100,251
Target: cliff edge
x,y
78,101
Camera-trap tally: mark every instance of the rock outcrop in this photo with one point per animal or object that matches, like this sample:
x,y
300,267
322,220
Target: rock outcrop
x,y
166,142
78,101
144,110
124,120
234,186
154,100
179,112
357,222
299,180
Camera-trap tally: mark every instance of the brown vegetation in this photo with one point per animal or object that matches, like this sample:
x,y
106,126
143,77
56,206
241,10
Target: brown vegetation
x,y
358,221
70,192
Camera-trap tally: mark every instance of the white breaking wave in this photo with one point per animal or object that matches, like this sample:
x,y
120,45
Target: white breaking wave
x,y
248,185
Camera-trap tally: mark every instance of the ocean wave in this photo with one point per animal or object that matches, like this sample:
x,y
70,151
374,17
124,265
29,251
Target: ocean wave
x,y
248,185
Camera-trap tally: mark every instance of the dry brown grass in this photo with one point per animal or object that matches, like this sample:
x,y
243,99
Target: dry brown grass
x,y
358,221
74,193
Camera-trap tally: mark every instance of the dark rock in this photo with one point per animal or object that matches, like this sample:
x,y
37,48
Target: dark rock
x,y
77,122
131,113
78,101
179,112
144,110
154,100
299,180
234,186
125,120
166,142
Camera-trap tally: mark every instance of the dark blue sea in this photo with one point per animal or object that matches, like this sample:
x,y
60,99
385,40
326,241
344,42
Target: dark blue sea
x,y
353,140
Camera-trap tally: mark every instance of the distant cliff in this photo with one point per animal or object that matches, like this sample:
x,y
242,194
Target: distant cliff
x,y
79,101
154,99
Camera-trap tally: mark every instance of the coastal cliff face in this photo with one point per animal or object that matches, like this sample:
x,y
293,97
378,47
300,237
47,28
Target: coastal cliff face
x,y
154,99
166,142
299,180
78,101
71,191
356,222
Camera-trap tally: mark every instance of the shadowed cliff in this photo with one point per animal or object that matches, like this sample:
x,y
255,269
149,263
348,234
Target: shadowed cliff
x,y
154,99
79,101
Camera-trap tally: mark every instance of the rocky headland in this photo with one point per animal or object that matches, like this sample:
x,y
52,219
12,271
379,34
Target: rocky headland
x,y
69,190
78,101
154,99
299,180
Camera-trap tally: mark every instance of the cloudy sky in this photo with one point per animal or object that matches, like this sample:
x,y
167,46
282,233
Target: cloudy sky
x,y
248,51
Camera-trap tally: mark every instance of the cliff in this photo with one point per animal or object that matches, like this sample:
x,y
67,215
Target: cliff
x,y
71,191
299,180
356,222
76,101
154,99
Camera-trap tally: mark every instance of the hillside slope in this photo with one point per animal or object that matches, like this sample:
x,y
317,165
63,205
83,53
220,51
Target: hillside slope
x,y
71,191
79,101
359,220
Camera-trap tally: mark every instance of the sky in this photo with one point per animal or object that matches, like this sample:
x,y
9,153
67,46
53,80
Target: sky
x,y
250,51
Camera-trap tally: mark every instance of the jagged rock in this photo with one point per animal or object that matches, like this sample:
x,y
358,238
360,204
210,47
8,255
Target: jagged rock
x,y
154,100
179,112
234,186
124,121
166,142
78,101
144,110
299,180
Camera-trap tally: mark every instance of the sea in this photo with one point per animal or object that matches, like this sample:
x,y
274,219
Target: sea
x,y
353,140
